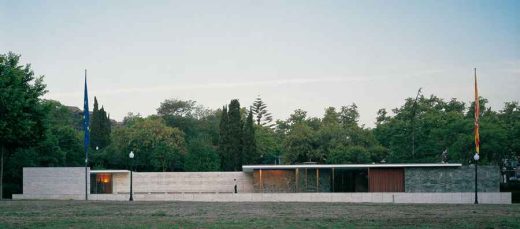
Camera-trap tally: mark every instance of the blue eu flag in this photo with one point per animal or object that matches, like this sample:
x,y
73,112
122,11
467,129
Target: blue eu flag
x,y
86,118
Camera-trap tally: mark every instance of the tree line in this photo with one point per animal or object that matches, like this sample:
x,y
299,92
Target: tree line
x,y
186,136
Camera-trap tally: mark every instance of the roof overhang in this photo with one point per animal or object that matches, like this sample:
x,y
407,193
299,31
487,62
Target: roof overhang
x,y
109,171
250,168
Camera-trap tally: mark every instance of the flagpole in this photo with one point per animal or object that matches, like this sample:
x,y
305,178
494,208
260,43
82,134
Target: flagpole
x,y
477,137
85,117
476,191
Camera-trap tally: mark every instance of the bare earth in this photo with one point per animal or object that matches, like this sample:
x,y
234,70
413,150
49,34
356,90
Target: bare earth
x,y
108,214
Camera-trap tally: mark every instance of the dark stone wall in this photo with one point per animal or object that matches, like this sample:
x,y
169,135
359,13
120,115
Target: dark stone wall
x,y
460,179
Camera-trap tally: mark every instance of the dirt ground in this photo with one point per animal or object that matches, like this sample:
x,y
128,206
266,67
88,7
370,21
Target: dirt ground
x,y
111,214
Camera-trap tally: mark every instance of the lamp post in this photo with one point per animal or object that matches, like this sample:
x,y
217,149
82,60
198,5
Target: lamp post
x,y
131,156
476,157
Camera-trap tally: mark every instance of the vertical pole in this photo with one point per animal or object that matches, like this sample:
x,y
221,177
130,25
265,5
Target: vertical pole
x,y
86,137
476,191
131,181
86,181
477,137
261,181
333,180
297,180
317,180
306,187
1,172
131,191
369,180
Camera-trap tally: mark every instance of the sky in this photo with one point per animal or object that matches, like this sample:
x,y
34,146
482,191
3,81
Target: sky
x,y
293,54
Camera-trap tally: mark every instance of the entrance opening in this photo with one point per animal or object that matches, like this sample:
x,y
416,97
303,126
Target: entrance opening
x,y
101,183
350,180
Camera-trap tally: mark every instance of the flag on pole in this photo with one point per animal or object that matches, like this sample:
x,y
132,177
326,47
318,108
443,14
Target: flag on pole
x,y
86,118
477,113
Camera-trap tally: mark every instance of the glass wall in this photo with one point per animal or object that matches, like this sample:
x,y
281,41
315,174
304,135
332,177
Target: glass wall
x,y
101,183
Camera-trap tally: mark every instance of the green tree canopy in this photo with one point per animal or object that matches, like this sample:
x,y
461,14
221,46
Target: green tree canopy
x,y
262,115
156,146
21,113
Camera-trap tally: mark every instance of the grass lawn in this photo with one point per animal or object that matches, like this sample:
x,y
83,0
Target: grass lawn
x,y
111,214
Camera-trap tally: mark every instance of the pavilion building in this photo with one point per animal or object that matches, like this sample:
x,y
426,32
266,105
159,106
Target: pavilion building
x,y
398,183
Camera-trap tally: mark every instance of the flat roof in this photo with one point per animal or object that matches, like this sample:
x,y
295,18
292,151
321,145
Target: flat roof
x,y
250,168
109,171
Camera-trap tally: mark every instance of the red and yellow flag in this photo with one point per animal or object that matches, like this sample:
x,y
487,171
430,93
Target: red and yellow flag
x,y
477,112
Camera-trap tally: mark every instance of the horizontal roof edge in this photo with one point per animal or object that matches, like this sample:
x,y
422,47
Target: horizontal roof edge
x,y
109,171
324,166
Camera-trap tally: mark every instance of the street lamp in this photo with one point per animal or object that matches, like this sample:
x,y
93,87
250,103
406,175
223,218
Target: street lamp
x,y
476,157
131,156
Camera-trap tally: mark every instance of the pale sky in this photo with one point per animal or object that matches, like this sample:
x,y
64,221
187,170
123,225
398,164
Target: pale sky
x,y
294,54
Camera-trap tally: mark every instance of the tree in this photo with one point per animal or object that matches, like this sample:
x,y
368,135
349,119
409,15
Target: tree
x,y
95,126
300,144
510,117
176,107
61,122
201,157
100,127
234,128
249,153
349,115
263,117
183,108
349,155
298,116
223,143
337,138
331,117
157,147
21,114
441,125
381,116
268,145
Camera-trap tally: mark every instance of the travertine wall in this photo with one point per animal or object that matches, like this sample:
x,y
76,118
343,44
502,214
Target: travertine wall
x,y
452,179
183,182
371,197
55,182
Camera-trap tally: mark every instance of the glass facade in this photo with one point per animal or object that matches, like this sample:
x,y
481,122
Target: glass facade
x,y
101,183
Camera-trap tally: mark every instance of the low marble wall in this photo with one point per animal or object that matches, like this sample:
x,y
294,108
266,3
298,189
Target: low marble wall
x,y
398,198
179,182
55,182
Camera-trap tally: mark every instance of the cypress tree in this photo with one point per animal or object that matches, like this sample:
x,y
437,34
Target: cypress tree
x,y
95,126
223,147
235,134
249,142
99,127
105,128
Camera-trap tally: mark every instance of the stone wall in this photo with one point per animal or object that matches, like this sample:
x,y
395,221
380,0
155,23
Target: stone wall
x,y
460,179
182,182
55,182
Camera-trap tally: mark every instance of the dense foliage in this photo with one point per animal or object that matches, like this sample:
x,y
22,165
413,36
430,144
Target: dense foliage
x,y
186,136
100,127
